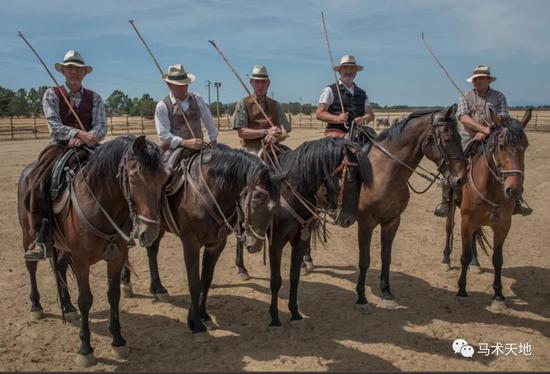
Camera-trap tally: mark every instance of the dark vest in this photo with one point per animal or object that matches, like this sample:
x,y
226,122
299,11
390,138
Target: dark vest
x,y
353,104
84,109
256,119
178,125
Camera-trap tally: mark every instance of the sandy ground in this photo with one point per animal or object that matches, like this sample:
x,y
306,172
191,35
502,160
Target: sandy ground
x,y
335,336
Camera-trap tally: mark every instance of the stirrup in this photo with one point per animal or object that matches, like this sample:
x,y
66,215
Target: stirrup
x,y
36,252
442,209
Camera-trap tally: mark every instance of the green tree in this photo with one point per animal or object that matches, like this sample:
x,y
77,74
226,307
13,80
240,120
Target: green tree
x,y
5,99
118,103
18,105
146,106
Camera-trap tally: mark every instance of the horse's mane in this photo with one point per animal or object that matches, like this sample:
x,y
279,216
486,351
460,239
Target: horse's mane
x,y
514,135
313,161
394,132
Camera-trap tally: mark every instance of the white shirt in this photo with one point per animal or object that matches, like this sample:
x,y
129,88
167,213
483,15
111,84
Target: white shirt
x,y
162,121
327,97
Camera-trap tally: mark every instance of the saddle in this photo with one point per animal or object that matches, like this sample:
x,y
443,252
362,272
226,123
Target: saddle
x,y
64,170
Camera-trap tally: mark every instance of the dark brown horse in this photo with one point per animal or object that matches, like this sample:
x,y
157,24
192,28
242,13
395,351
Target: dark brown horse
x,y
332,165
426,133
494,182
222,190
126,177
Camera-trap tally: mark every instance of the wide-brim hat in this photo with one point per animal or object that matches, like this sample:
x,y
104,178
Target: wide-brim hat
x,y
481,71
346,61
73,58
259,72
177,75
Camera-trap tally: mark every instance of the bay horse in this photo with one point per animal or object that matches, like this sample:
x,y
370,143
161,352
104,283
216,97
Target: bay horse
x,y
333,165
222,189
122,182
494,182
432,134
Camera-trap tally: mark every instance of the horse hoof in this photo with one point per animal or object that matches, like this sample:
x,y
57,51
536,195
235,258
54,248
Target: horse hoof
x,y
201,337
476,269
364,308
37,315
498,306
127,290
85,361
309,266
389,304
446,267
72,316
244,276
163,297
121,352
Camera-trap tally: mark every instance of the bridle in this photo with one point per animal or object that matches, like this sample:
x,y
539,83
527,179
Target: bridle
x,y
344,167
245,212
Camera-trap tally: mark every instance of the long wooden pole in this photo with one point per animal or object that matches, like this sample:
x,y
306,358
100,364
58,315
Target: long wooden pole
x,y
332,63
178,102
65,98
246,88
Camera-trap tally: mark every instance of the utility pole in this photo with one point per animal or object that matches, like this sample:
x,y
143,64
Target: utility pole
x,y
217,85
208,84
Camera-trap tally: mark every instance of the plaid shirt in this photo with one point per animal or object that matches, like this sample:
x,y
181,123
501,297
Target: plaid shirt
x,y
61,132
492,98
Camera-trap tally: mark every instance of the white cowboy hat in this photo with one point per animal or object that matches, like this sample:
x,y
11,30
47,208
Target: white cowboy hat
x,y
74,58
481,71
348,60
259,72
178,76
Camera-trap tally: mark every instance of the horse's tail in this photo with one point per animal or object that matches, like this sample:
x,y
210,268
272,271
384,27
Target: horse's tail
x,y
58,283
481,238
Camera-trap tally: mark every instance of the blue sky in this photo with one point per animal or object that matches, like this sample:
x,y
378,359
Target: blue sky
x,y
511,36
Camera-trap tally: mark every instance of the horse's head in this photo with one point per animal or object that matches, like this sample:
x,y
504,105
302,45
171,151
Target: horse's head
x,y
340,190
443,146
506,151
257,202
143,177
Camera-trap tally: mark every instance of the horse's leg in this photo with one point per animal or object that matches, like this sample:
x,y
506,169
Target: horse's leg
x,y
500,233
387,234
70,312
467,233
36,309
298,250
156,288
126,281
239,261
365,236
449,227
307,263
275,253
209,260
114,267
85,356
191,254
474,264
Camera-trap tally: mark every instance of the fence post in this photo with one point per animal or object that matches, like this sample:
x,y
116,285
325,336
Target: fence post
x,y
310,120
127,126
11,127
34,126
300,121
536,122
142,126
290,119
111,121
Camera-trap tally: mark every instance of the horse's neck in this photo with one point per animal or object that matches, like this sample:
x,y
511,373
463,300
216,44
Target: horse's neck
x,y
110,197
408,149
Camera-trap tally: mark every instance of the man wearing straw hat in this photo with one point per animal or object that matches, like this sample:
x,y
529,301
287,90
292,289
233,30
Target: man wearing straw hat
x,y
248,120
357,108
65,131
477,112
175,129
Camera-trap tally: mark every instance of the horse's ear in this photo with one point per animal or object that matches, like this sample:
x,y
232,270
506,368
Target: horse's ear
x,y
526,117
450,114
138,146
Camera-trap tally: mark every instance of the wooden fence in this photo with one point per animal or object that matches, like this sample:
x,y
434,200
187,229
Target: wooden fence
x,y
14,128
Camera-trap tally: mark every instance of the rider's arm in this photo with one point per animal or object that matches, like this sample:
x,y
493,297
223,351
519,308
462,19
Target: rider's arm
x,y
162,125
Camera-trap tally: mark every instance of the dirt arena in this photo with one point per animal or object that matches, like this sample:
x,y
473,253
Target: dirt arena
x,y
416,336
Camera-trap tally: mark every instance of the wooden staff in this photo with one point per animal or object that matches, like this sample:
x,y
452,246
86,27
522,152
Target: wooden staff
x,y
246,88
332,63
63,94
178,102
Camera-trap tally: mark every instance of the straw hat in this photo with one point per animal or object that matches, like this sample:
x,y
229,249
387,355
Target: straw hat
x,y
348,60
73,58
178,76
259,72
481,71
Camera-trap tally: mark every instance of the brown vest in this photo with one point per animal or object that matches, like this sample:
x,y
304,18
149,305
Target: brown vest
x,y
84,109
178,126
256,119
